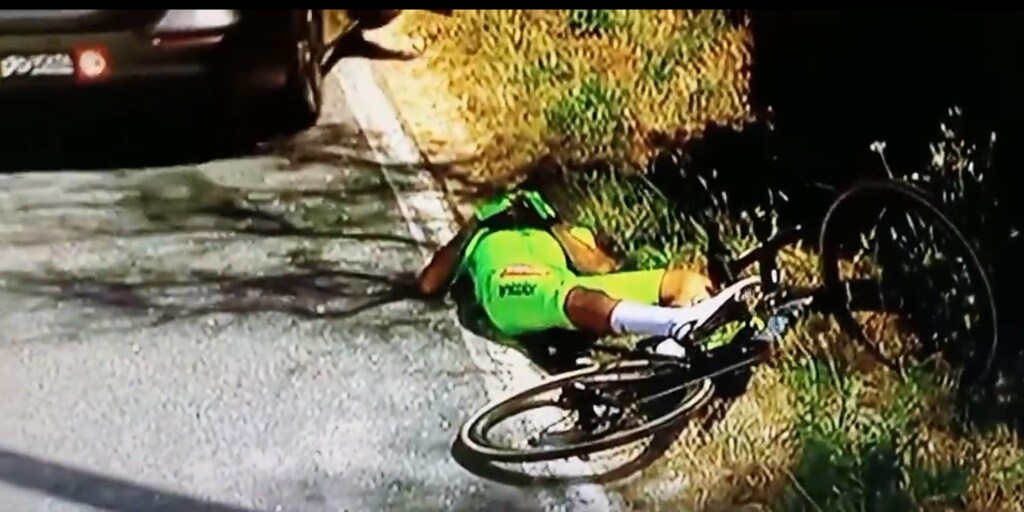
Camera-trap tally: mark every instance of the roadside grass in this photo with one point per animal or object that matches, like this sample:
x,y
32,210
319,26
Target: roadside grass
x,y
821,428
577,83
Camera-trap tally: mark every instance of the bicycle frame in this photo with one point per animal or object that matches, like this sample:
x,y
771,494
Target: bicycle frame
x,y
744,350
748,347
640,377
784,304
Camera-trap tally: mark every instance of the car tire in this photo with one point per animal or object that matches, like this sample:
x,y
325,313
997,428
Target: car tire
x,y
299,103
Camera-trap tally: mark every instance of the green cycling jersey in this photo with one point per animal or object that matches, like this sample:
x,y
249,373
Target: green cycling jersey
x,y
520,274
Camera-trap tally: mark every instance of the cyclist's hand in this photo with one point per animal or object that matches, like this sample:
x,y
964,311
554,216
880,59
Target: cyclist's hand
x,y
407,284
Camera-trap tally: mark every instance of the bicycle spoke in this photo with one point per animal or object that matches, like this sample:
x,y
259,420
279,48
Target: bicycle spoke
x,y
868,295
547,430
929,278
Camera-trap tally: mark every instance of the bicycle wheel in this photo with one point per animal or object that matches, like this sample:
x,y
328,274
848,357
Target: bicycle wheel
x,y
613,400
940,326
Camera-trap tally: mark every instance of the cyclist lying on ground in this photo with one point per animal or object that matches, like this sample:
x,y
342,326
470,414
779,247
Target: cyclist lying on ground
x,y
531,272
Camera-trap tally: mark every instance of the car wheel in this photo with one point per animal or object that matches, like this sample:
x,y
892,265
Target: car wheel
x,y
301,100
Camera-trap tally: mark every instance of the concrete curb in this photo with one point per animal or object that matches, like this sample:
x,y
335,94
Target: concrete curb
x,y
423,205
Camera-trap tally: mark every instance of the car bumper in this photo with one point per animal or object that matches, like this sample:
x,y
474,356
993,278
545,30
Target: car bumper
x,y
135,67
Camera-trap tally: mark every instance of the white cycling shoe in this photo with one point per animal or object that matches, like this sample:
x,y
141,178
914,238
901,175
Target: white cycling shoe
x,y
690,319
670,347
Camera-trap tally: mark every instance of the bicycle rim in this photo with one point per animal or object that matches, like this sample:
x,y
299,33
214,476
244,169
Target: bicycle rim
x,y
473,435
907,196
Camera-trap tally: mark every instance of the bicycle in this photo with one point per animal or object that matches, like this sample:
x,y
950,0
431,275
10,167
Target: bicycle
x,y
614,401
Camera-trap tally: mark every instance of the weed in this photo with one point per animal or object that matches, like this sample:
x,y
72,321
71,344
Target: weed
x,y
590,113
855,457
546,69
591,22
659,67
689,41
629,211
699,30
1012,475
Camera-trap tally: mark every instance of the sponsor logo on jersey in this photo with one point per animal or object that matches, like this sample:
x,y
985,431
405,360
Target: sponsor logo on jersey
x,y
523,270
516,289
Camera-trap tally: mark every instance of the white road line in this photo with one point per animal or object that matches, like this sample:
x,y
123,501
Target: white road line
x,y
422,204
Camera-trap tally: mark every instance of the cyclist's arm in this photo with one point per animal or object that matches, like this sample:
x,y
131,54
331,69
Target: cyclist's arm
x,y
587,258
435,278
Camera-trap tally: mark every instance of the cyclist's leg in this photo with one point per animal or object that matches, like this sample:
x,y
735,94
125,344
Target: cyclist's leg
x,y
664,287
676,287
624,303
589,301
641,287
522,299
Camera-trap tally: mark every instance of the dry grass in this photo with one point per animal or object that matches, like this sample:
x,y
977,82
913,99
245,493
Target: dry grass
x,y
814,433
820,425
530,85
735,462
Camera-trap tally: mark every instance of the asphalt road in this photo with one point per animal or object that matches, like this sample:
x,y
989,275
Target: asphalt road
x,y
180,338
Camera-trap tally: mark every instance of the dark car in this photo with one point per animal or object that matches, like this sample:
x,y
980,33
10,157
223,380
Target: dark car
x,y
263,65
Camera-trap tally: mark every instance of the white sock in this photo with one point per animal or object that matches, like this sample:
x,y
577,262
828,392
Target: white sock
x,y
676,323
636,318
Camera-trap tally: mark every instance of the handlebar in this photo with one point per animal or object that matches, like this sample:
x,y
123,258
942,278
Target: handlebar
x,y
723,267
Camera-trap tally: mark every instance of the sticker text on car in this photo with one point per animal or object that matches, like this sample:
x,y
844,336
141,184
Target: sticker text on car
x,y
39,64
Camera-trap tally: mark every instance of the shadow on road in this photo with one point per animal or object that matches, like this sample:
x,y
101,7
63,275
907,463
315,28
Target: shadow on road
x,y
310,294
189,202
312,285
95,490
120,142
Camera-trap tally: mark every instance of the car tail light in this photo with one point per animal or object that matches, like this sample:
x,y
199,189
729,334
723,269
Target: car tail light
x,y
195,20
91,63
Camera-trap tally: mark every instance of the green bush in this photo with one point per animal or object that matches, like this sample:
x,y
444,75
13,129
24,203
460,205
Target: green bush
x,y
856,458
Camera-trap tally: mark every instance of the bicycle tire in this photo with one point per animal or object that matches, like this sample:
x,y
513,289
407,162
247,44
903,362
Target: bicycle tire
x,y
915,198
472,436
522,475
